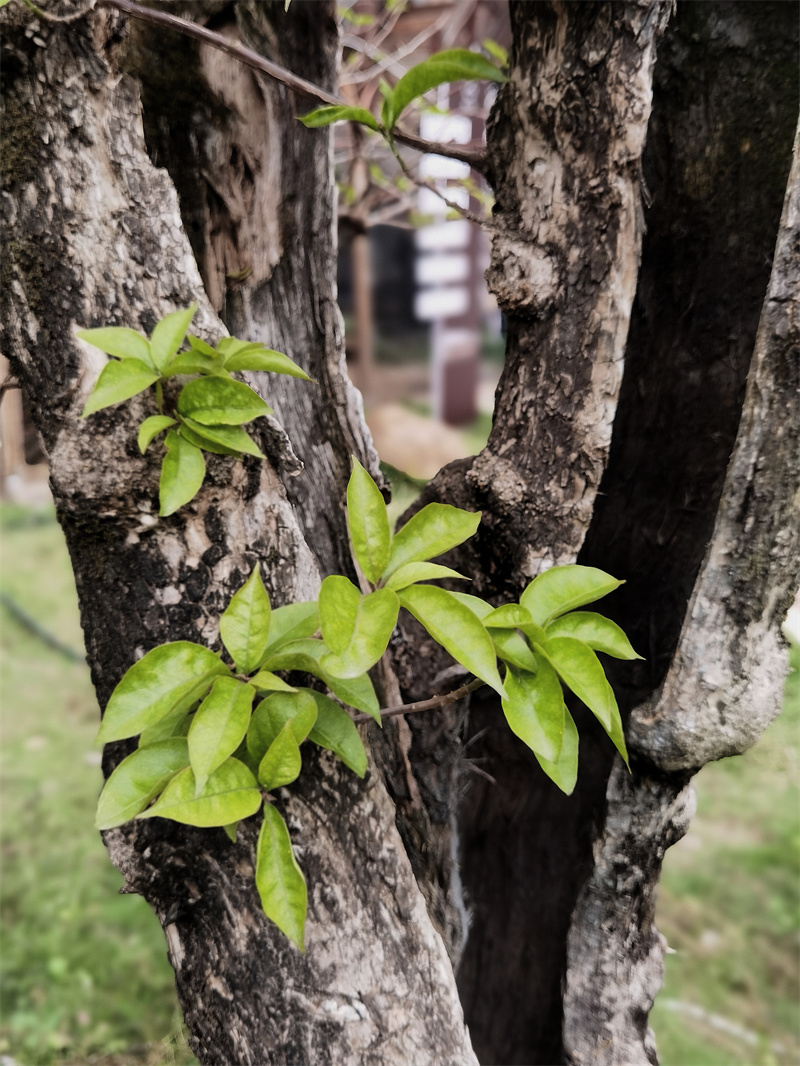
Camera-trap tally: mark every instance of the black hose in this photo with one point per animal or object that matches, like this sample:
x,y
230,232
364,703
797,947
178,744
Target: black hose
x,y
33,626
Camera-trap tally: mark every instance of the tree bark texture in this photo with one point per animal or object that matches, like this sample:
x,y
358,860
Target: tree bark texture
x,y
715,166
94,236
723,688
528,890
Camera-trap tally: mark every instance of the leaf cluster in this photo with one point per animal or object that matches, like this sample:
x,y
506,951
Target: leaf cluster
x,y
212,407
454,64
217,737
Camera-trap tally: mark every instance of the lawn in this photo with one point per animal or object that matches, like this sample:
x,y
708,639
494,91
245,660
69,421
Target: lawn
x,y
85,973
84,969
729,906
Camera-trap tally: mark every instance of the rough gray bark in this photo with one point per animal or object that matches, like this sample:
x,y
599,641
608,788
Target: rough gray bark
x,y
94,236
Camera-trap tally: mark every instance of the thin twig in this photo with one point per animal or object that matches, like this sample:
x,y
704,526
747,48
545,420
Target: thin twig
x,y
73,17
9,383
484,223
385,62
479,771
299,86
424,705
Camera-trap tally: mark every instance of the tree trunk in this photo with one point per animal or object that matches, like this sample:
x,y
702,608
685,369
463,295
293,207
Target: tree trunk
x,y
95,237
424,859
715,177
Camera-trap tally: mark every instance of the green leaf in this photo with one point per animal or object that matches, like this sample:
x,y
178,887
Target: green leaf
x,y
514,616
617,735
357,628
193,362
138,780
219,727
563,588
411,573
512,648
227,346
368,523
119,341
335,730
167,678
324,116
273,713
432,531
150,429
168,335
216,401
230,831
480,608
455,64
119,381
266,681
306,654
244,625
232,438
282,763
564,772
456,628
279,879
182,473
231,793
204,348
535,709
175,724
265,359
339,600
292,622
496,51
203,443
598,632
580,669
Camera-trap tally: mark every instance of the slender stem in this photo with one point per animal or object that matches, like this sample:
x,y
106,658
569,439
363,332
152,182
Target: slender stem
x,y
9,383
73,17
160,396
424,705
305,89
423,184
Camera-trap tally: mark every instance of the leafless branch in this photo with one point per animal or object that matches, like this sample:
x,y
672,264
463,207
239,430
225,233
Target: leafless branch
x,y
370,49
424,705
9,383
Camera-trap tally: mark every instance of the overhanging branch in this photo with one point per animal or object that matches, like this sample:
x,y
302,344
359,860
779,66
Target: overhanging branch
x,y
476,158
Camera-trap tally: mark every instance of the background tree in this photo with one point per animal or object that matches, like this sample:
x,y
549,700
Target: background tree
x,y
627,470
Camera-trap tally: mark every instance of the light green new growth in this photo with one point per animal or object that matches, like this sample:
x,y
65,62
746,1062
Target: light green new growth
x,y
455,64
212,750
211,409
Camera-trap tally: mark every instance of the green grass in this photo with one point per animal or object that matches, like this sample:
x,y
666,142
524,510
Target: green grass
x,y
729,905
84,970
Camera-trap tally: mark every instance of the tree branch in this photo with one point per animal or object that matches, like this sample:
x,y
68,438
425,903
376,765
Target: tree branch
x,y
9,383
302,88
424,705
